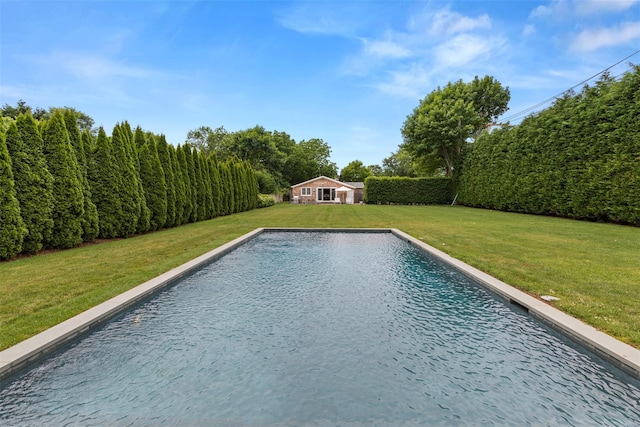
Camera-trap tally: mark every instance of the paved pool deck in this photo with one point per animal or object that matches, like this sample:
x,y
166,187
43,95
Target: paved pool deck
x,y
27,352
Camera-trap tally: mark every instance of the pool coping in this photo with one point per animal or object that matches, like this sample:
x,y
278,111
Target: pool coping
x,y
27,352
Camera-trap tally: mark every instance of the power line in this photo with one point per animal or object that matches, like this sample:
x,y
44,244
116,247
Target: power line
x,y
539,104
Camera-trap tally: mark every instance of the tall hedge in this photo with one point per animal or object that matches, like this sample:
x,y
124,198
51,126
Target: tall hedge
x,y
408,191
153,180
90,216
33,182
68,198
180,186
12,231
580,158
183,164
169,176
104,181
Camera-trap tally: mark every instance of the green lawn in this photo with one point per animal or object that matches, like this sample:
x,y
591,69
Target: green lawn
x,y
593,268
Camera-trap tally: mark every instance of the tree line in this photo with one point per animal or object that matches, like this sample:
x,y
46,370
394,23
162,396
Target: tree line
x,y
61,186
278,160
579,158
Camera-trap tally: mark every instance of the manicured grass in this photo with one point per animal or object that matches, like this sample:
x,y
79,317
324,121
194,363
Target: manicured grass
x,y
593,268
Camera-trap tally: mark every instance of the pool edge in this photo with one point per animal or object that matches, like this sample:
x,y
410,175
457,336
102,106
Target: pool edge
x,y
27,352
619,354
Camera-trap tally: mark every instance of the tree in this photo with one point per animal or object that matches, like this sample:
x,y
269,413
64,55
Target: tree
x,y
183,165
90,217
309,159
439,127
68,198
13,230
355,171
209,140
153,180
103,179
127,188
169,176
34,183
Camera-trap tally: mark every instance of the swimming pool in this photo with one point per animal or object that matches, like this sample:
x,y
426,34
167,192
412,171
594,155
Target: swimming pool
x,y
322,329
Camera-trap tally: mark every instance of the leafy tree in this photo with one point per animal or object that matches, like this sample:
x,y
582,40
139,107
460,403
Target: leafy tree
x,y
33,182
13,230
90,217
208,140
355,171
309,159
68,198
82,120
439,127
258,146
266,183
104,180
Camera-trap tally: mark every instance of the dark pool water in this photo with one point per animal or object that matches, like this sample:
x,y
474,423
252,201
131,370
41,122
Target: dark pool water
x,y
322,329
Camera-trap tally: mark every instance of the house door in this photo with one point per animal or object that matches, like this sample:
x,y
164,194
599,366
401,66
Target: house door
x,y
326,194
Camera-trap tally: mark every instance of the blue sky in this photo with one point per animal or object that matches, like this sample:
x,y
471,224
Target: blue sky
x,y
348,72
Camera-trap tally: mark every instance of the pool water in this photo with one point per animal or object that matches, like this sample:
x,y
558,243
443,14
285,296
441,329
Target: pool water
x,y
320,329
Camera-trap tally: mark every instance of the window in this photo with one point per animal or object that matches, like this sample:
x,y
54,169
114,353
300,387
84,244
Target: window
x,y
306,191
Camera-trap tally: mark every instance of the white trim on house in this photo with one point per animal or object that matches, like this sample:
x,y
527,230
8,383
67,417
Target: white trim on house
x,y
328,194
338,183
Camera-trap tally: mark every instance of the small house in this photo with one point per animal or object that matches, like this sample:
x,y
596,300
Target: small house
x,y
327,190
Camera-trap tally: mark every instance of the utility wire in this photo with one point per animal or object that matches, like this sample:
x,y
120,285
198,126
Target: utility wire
x,y
539,104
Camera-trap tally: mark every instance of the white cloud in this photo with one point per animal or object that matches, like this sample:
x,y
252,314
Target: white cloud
x,y
446,22
385,49
90,66
593,39
598,6
411,82
464,49
315,18
556,9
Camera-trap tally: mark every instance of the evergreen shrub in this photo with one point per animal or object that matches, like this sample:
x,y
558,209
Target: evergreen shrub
x,y
265,200
408,191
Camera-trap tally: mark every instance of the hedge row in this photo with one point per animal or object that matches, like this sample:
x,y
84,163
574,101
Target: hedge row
x,y
580,158
60,187
407,191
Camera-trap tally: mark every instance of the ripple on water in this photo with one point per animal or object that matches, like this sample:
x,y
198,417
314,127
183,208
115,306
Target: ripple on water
x,y
322,329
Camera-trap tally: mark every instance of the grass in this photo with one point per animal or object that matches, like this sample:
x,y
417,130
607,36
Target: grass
x,y
593,268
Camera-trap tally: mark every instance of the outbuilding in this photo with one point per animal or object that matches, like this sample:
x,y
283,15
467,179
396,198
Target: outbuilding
x,y
327,190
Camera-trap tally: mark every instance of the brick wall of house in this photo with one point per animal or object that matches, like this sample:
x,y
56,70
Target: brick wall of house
x,y
314,185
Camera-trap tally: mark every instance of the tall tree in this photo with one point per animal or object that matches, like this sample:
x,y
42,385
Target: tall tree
x,y
193,180
153,180
181,188
355,171
104,181
169,176
90,217
34,183
127,182
441,124
216,185
68,198
12,231
309,159
182,152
